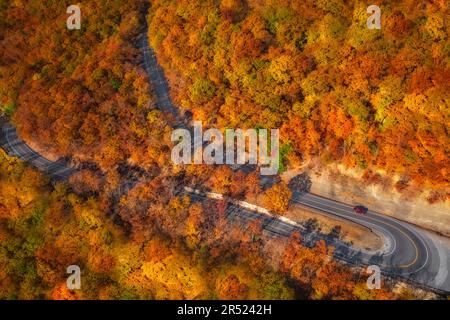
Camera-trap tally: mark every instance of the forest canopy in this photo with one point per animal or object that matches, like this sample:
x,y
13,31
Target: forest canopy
x,y
338,91
370,99
81,92
45,228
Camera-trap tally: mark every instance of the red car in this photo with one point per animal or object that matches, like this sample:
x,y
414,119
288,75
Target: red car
x,y
360,210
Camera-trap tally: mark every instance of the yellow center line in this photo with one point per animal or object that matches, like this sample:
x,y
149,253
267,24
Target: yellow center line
x,y
407,236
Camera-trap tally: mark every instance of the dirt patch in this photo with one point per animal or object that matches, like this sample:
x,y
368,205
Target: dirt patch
x,y
356,234
359,236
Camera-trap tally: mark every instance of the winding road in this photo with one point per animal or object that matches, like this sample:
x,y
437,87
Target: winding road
x,y
13,146
408,252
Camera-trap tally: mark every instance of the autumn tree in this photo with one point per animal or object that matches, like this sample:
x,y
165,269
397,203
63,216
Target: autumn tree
x,y
277,198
